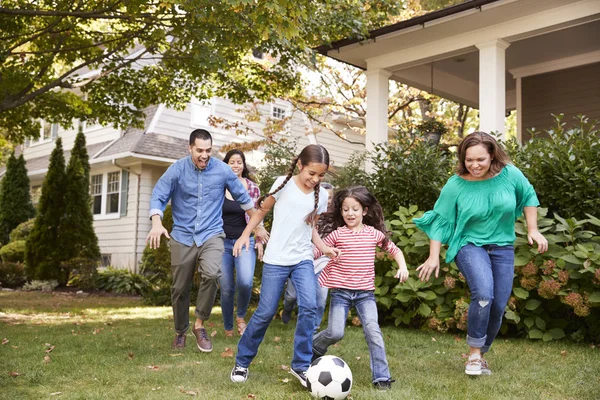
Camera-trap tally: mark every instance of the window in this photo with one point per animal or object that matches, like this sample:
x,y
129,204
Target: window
x,y
48,132
96,192
109,194
35,192
105,260
278,112
112,193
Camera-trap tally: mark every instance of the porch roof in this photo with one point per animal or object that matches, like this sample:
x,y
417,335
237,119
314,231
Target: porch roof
x,y
437,52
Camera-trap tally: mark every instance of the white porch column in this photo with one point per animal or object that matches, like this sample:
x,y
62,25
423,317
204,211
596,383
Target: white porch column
x,y
492,85
377,107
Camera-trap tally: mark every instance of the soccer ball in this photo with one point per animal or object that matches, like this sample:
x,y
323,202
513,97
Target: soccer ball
x,y
329,377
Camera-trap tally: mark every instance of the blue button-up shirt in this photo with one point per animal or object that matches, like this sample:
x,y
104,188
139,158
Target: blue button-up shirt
x,y
197,198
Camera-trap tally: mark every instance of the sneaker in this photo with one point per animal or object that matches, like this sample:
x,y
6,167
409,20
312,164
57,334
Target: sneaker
x,y
239,374
473,365
383,385
178,341
485,368
300,375
202,340
286,317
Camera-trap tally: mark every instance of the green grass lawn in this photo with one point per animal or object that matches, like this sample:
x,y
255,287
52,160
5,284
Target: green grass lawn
x,y
67,347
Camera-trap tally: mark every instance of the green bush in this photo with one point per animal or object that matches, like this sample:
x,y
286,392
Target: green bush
x,y
122,281
554,294
563,165
22,230
352,173
13,252
83,272
409,171
12,275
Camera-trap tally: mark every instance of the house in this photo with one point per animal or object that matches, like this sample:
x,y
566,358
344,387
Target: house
x,y
125,165
538,57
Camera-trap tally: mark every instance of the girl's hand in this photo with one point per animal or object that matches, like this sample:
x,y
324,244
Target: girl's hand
x,y
536,236
261,234
243,241
402,274
332,252
259,250
427,268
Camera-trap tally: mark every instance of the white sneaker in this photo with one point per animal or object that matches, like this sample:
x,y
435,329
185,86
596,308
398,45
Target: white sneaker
x,y
239,374
485,368
473,366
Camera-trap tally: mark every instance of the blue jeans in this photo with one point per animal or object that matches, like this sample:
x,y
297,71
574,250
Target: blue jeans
x,y
489,272
364,302
289,299
273,282
243,267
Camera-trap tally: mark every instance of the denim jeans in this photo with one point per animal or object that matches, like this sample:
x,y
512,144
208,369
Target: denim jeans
x,y
289,299
273,282
243,268
489,272
364,302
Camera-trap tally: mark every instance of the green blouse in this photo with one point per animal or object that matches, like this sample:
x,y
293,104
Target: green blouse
x,y
478,212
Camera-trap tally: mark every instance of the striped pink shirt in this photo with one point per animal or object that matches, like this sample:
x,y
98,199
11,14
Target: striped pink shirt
x,y
355,269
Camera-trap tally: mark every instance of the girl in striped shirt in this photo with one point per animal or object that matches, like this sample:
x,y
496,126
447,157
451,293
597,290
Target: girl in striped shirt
x,y
356,229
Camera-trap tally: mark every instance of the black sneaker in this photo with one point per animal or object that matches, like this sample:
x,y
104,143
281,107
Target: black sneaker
x,y
300,375
239,374
383,385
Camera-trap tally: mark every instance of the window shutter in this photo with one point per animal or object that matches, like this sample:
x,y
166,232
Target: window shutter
x,y
124,191
54,131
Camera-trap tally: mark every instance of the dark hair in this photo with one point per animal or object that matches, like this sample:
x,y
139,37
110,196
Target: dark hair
x,y
245,171
313,153
332,219
201,134
499,156
326,185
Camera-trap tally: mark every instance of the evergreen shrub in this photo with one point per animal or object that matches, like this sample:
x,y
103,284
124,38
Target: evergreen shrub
x,y
13,252
83,272
12,274
21,232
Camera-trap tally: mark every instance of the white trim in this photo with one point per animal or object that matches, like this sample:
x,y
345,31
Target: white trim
x,y
548,21
519,111
555,65
155,118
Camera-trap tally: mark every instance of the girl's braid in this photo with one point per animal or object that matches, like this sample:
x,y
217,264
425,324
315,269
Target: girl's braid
x,y
310,218
286,180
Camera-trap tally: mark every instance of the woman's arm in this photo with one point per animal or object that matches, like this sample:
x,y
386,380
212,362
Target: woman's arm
x,y
432,263
533,234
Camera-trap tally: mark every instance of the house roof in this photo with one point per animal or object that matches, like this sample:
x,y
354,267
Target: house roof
x,y
420,20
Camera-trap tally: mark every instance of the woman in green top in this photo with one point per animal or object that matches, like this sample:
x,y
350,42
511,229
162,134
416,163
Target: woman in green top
x,y
475,215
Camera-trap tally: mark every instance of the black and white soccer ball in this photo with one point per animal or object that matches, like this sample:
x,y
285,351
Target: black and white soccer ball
x,y
329,377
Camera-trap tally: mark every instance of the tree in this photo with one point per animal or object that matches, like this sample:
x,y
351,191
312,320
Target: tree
x,y
77,228
44,249
168,51
15,199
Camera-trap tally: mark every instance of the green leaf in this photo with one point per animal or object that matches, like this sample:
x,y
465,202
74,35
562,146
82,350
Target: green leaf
x,y
557,333
427,295
535,334
547,337
540,323
521,260
571,259
594,297
404,297
424,310
528,322
521,293
512,316
532,304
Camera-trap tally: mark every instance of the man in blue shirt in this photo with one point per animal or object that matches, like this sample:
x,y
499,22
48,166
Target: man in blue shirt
x,y
196,187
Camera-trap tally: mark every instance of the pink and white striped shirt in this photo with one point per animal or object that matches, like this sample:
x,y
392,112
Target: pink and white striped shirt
x,y
355,268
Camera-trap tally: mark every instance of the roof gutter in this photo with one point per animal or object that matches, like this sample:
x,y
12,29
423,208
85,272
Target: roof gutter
x,y
422,20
